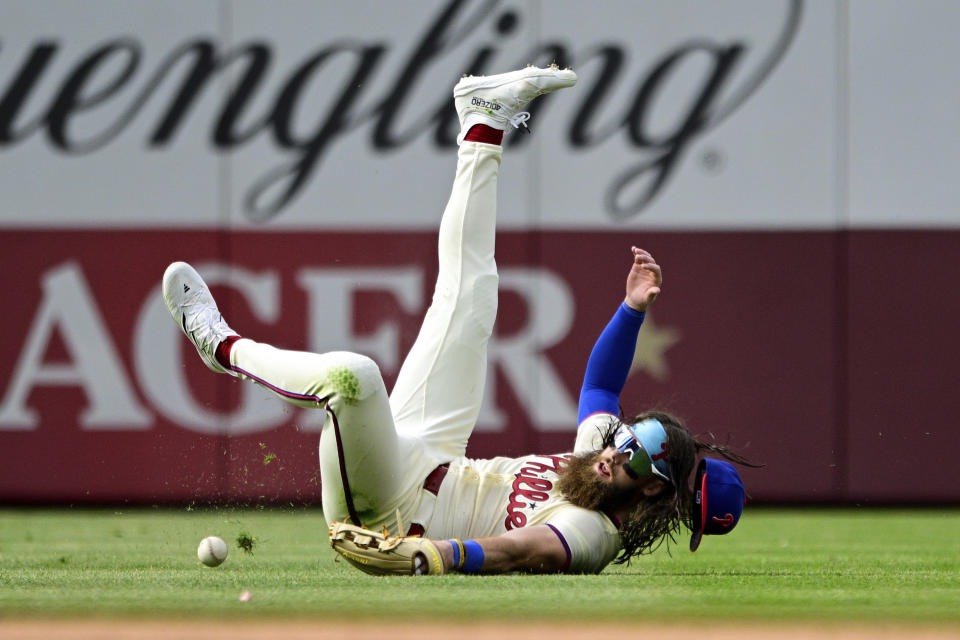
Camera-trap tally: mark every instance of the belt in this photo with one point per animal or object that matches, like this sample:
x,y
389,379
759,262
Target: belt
x,y
431,484
435,479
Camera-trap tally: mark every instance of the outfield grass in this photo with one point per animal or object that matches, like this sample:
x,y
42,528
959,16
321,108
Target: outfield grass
x,y
860,565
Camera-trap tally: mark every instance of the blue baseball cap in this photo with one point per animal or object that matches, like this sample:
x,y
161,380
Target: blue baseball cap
x,y
719,497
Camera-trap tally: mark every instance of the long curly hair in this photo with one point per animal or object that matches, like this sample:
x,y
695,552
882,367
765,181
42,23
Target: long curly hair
x,y
660,517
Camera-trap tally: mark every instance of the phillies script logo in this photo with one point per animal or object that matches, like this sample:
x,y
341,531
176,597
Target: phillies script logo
x,y
530,488
726,521
110,84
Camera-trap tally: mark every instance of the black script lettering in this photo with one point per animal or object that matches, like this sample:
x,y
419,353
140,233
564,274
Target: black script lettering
x,y
596,96
77,94
70,99
257,57
108,69
437,39
19,91
703,114
337,123
771,59
670,147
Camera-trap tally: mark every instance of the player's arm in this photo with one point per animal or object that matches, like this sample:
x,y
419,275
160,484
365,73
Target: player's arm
x,y
612,355
537,549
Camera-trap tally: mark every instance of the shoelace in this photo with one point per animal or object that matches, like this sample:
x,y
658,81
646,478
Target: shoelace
x,y
519,118
206,325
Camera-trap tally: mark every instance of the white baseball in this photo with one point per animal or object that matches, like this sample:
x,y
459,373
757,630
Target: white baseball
x,y
212,551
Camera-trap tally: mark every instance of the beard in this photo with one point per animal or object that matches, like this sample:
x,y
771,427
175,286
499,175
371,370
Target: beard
x,y
580,484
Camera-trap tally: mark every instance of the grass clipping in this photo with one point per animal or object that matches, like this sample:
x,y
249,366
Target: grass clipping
x,y
246,542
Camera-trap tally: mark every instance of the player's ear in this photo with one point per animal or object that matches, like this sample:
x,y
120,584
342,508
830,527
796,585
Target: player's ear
x,y
654,487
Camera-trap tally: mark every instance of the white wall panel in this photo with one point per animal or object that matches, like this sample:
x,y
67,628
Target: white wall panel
x,y
826,114
904,114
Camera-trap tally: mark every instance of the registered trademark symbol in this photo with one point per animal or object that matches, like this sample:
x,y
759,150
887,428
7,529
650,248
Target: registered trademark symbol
x,y
712,161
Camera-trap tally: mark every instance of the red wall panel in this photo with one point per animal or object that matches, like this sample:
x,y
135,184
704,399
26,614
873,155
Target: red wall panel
x,y
903,350
827,356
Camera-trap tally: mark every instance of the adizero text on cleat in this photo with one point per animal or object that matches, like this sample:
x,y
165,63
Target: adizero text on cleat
x,y
498,101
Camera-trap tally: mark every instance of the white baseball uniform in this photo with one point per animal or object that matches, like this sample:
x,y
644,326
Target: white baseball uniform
x,y
376,450
490,497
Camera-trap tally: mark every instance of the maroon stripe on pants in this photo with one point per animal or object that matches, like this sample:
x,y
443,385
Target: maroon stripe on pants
x,y
351,510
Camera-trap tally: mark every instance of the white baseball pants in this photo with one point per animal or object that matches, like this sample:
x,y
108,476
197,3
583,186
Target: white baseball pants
x,y
375,450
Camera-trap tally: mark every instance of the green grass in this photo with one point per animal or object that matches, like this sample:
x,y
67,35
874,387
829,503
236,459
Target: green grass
x,y
858,565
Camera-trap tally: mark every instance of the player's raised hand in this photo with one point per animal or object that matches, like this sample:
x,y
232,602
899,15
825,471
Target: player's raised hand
x,y
643,281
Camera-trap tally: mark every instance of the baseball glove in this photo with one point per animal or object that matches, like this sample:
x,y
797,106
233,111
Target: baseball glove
x,y
381,554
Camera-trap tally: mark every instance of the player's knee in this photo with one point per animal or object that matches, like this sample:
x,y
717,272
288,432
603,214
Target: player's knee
x,y
354,377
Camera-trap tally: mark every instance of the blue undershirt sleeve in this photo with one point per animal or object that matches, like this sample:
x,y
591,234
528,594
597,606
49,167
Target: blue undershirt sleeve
x,y
609,364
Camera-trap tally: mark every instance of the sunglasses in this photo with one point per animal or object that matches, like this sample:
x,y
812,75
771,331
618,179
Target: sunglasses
x,y
629,439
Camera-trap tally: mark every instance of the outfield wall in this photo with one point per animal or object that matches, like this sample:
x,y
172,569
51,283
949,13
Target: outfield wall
x,y
790,164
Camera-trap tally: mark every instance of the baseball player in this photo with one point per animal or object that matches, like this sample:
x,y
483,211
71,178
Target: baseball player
x,y
397,490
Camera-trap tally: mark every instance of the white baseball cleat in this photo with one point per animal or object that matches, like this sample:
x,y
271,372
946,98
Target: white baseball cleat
x,y
496,101
193,308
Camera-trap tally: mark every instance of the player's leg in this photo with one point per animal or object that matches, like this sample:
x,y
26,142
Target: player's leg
x,y
367,472
440,385
364,465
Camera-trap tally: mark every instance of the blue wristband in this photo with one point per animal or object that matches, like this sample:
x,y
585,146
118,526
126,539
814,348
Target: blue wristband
x,y
473,557
457,551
